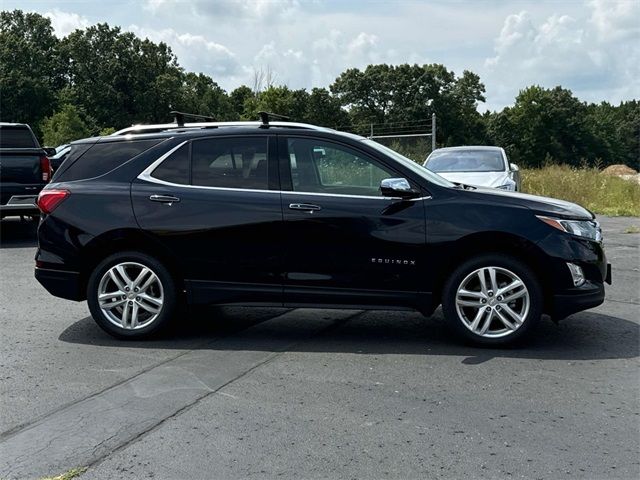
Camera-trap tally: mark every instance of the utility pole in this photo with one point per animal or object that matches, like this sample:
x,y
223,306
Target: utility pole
x,y
433,132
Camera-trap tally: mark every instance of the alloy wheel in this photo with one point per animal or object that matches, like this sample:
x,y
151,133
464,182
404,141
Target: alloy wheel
x,y
492,302
130,295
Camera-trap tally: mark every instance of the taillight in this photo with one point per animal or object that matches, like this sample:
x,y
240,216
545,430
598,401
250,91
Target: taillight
x,y
45,168
48,200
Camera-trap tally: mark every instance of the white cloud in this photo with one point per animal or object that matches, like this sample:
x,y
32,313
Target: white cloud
x,y
64,23
616,20
596,56
238,9
195,52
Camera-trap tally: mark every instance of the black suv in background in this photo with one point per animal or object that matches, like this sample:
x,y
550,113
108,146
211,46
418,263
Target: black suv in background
x,y
24,170
264,213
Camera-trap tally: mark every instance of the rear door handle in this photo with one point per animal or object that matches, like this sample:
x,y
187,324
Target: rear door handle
x,y
169,199
305,207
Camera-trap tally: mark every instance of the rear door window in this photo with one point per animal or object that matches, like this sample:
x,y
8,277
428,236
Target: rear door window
x,y
239,162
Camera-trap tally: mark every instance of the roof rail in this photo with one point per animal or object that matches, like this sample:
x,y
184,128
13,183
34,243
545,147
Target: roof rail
x,y
266,116
180,116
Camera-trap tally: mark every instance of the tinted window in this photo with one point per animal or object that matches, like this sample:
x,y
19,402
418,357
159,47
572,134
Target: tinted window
x,y
324,167
230,162
17,137
102,158
466,161
175,168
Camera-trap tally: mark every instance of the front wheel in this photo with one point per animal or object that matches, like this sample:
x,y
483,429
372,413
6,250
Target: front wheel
x,y
492,300
131,295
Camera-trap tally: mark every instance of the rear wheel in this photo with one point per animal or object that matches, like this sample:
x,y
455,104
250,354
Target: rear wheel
x,y
131,295
492,300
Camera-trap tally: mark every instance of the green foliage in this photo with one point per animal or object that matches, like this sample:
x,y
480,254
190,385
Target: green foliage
x,y
239,98
106,131
68,475
200,94
30,68
118,78
65,126
603,194
405,93
318,107
415,148
553,123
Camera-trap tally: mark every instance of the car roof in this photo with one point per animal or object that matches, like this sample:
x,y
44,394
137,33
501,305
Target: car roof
x,y
470,147
194,130
159,127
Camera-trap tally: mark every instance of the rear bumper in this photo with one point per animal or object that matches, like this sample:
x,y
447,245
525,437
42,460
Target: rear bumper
x,y
575,300
60,283
20,205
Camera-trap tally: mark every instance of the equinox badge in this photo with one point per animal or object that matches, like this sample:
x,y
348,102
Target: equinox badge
x,y
393,261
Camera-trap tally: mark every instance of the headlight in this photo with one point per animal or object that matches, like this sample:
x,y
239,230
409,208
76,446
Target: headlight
x,y
583,228
508,184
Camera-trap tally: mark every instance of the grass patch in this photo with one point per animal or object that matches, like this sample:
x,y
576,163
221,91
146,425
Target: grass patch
x,y
602,194
73,473
632,229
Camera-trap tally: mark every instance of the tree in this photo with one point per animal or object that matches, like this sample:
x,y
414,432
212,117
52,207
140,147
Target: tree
x,y
118,78
545,122
281,100
239,98
66,126
201,95
407,95
324,109
616,131
30,68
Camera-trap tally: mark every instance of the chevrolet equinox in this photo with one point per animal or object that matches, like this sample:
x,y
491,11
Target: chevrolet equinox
x,y
289,214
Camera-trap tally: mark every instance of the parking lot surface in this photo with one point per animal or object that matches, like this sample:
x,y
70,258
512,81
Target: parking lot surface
x,y
261,393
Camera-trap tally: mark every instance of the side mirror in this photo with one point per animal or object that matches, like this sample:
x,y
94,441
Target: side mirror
x,y
49,151
513,167
397,187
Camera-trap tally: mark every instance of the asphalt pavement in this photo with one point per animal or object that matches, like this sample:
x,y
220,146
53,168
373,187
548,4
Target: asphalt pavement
x,y
275,393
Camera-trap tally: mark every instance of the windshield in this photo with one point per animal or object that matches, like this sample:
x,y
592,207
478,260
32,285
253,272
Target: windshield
x,y
418,169
466,161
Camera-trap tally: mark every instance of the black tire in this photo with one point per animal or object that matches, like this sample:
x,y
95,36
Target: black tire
x,y
513,265
167,309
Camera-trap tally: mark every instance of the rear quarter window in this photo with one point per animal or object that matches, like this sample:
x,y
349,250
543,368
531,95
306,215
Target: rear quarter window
x,y
101,158
17,137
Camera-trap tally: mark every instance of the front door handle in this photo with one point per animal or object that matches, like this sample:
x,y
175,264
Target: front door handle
x,y
168,199
305,207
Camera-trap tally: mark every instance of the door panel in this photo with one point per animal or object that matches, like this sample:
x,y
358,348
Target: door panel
x,y
227,240
350,247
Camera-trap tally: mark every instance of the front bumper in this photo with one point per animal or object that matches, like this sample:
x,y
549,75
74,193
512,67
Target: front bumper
x,y
60,283
574,300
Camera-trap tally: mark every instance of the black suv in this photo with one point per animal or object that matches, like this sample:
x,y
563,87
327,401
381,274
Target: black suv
x,y
287,214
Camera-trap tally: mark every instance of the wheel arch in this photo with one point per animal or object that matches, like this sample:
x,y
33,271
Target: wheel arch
x,y
501,243
122,240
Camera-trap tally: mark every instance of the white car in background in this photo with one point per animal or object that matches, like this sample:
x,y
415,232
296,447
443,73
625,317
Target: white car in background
x,y
479,166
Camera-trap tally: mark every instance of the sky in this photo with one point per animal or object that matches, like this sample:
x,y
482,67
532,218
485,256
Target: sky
x,y
591,47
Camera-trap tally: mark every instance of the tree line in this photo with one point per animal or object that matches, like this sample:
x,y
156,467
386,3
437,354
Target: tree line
x,y
99,79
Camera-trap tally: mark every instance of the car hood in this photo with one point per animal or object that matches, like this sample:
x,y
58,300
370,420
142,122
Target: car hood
x,y
540,205
479,179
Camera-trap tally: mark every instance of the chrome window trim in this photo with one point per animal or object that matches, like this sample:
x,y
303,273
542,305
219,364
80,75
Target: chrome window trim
x,y
147,177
